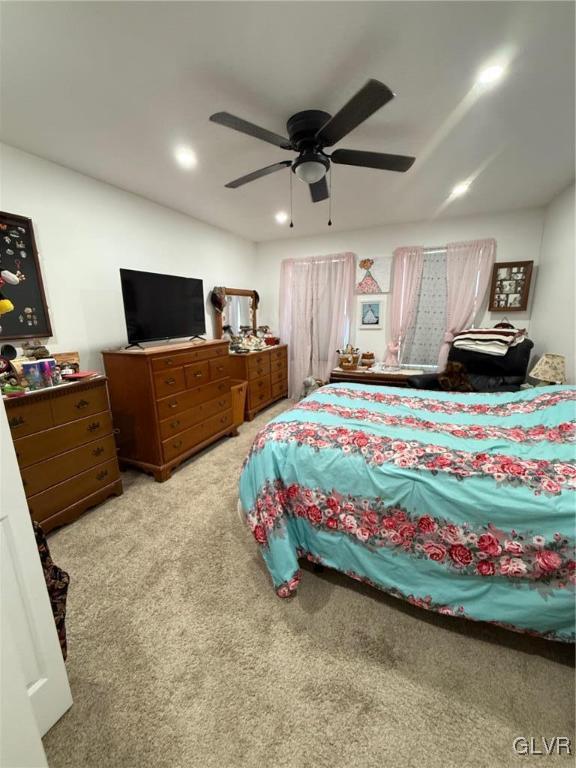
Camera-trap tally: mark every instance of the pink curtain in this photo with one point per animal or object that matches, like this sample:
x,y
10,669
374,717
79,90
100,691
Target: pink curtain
x,y
407,274
316,304
468,271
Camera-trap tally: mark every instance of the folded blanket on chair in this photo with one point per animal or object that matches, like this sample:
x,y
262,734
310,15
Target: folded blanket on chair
x,y
490,341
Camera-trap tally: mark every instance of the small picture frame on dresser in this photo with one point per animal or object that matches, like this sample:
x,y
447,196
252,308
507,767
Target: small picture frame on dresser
x,y
510,286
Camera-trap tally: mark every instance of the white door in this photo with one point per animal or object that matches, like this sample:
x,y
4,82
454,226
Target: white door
x,y
27,628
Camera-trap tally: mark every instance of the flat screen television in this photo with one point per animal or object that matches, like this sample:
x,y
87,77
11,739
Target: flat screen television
x,y
161,306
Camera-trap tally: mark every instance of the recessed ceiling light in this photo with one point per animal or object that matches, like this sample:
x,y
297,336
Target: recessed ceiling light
x,y
185,157
461,189
281,217
490,75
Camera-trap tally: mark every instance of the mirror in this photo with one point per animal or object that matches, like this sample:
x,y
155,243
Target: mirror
x,y
234,307
237,313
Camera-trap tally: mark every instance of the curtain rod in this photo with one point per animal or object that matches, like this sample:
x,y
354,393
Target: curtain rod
x,y
430,251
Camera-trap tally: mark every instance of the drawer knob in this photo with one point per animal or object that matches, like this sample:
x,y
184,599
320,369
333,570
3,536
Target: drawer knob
x,y
97,451
16,421
177,443
175,424
221,403
170,381
81,404
169,361
198,375
173,404
102,474
93,426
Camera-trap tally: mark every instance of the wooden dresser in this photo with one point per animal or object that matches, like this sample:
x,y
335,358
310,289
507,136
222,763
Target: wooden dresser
x,y
169,402
65,449
267,375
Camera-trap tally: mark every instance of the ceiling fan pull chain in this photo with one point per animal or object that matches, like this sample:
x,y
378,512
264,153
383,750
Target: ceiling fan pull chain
x,y
291,221
330,198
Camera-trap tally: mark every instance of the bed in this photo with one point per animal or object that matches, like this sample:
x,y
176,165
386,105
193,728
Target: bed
x,y
459,503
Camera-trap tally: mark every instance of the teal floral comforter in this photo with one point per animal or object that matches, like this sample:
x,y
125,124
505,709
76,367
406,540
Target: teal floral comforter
x,y
460,503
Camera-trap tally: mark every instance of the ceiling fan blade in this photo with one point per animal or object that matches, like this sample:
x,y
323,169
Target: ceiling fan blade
x,y
258,174
378,160
237,124
319,190
369,98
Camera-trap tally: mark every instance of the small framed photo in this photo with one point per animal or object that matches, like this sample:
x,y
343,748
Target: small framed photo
x,y
370,315
510,286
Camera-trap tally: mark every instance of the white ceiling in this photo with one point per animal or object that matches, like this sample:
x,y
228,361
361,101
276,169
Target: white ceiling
x,y
109,89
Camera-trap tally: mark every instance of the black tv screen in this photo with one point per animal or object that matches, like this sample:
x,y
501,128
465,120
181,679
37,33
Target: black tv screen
x,y
161,306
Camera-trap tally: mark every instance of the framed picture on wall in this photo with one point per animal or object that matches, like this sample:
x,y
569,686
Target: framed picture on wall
x,y
23,309
373,275
510,286
370,315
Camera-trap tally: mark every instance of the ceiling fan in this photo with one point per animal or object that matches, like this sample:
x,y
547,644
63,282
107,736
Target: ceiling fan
x,y
312,131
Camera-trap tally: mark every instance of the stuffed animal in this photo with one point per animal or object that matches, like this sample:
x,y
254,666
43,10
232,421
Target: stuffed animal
x,y
311,385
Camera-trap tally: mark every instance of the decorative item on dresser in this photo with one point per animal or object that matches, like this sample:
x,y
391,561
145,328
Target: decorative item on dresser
x,y
169,402
267,375
65,449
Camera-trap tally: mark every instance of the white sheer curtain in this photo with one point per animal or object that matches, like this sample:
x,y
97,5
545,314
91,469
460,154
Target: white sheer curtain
x,y
468,270
316,305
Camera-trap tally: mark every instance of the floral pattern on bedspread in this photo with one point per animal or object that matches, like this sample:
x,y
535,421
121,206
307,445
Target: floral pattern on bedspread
x,y
545,400
462,503
468,548
541,476
560,433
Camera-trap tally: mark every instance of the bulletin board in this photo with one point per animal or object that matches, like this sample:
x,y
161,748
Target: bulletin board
x,y
21,282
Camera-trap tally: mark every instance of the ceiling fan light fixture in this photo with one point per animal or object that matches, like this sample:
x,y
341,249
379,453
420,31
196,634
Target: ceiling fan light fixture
x,y
310,168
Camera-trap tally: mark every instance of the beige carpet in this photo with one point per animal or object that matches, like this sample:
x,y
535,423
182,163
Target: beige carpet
x,y
180,654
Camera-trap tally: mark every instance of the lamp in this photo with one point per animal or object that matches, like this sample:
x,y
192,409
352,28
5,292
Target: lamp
x,y
310,167
550,369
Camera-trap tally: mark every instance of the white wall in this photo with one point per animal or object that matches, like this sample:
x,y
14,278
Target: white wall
x,y
518,236
554,316
85,230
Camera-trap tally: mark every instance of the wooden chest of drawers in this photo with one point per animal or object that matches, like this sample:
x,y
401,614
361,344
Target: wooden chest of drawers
x,y
267,375
65,450
169,402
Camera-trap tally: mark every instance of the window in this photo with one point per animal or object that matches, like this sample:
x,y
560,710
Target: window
x,y
424,338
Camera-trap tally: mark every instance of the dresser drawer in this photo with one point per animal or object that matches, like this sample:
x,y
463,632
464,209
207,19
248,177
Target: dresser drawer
x,y
217,424
24,419
258,360
163,362
182,442
278,374
47,503
169,381
219,368
279,354
179,422
258,391
166,362
47,473
277,365
170,406
75,405
43,445
197,374
278,388
258,366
